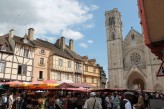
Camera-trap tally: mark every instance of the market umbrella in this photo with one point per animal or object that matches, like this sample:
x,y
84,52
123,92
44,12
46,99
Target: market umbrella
x,y
34,84
41,85
50,83
80,89
74,85
14,83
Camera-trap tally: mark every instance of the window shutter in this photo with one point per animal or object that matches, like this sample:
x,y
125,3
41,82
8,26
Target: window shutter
x,y
24,69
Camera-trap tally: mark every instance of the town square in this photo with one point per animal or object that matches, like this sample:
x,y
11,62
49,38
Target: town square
x,y
81,54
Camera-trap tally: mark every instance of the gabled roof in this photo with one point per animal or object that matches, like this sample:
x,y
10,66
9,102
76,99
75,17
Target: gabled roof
x,y
133,30
73,54
20,40
39,42
52,47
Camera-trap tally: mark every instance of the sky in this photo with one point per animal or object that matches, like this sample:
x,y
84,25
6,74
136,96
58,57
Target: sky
x,y
80,20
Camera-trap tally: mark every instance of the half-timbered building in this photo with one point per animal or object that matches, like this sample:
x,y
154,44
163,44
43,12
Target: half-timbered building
x,y
18,57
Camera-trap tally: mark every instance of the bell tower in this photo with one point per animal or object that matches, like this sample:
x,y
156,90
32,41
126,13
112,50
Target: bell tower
x,y
113,25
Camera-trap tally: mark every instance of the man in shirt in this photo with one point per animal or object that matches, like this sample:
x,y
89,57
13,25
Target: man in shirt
x,y
11,101
92,103
125,104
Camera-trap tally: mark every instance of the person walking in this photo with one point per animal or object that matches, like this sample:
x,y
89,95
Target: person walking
x,y
140,104
92,103
125,103
4,101
116,101
11,101
108,102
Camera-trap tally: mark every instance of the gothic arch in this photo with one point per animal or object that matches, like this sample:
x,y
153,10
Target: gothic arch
x,y
158,87
113,36
135,81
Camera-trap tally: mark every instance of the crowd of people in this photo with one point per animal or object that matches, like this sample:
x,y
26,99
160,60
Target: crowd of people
x,y
76,100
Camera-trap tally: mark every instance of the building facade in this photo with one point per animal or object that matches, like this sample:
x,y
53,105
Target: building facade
x,y
60,63
41,61
102,78
17,57
91,73
130,62
26,59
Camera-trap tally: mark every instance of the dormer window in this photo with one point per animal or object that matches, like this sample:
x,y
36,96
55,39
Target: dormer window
x,y
26,52
3,47
25,40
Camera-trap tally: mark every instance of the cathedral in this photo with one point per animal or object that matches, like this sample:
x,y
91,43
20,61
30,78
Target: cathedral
x,y
131,64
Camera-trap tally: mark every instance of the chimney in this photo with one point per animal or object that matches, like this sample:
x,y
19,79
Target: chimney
x,y
58,42
92,61
71,45
11,33
85,58
62,43
30,33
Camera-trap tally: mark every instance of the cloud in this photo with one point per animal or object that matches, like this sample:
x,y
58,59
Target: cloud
x,y
1,34
70,34
45,16
94,7
83,45
90,41
88,26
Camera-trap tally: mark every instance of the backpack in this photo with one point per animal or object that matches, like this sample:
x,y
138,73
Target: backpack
x,y
122,104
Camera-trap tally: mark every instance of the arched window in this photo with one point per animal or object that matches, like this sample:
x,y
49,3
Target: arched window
x,y
113,20
133,38
113,36
110,21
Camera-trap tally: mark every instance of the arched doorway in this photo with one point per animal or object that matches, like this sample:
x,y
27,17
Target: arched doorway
x,y
136,82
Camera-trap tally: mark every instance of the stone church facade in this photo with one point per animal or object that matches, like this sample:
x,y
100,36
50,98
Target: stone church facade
x,y
130,62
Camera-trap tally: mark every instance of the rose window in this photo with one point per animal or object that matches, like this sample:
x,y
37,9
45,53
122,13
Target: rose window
x,y
135,58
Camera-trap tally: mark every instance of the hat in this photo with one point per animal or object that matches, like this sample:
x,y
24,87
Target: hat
x,y
128,93
92,94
